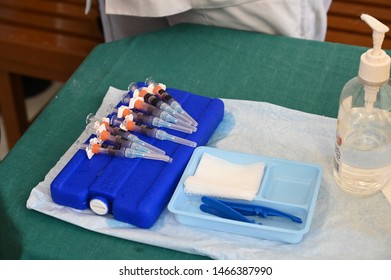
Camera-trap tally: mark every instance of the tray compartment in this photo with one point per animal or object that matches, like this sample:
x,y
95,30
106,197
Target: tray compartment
x,y
280,176
290,183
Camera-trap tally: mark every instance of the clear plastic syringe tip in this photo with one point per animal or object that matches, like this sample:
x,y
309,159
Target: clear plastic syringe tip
x,y
151,147
177,115
131,153
162,135
91,118
92,148
183,141
80,145
167,108
171,119
160,157
177,127
188,117
178,108
142,148
149,81
186,123
132,86
183,118
91,127
129,95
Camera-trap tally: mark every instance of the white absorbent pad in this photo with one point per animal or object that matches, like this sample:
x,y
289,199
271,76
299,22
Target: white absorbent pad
x,y
343,227
220,178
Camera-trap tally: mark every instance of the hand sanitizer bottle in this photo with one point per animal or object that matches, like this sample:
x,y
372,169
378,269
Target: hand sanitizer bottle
x,y
362,161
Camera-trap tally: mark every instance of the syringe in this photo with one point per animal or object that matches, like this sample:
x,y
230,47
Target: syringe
x,y
151,99
155,133
148,119
94,148
106,136
139,104
104,124
160,90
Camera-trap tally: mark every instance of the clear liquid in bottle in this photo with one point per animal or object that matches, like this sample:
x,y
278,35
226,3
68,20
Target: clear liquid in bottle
x,y
362,163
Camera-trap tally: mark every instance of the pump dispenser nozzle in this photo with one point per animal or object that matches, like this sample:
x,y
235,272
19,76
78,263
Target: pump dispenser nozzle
x,y
375,63
378,32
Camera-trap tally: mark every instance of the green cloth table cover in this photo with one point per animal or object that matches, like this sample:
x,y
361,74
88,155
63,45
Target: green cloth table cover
x,y
294,73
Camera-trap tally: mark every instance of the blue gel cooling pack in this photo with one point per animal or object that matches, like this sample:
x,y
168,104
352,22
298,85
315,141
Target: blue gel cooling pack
x,y
136,191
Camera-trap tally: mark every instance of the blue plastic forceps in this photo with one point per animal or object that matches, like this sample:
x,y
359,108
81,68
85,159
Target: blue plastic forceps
x,y
239,211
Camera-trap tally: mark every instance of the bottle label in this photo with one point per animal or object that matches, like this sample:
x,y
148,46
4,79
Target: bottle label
x,y
343,116
338,143
337,158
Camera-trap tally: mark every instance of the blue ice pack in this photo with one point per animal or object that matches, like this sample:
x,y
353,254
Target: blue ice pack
x,y
136,190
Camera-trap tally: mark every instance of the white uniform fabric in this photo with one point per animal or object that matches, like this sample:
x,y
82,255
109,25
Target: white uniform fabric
x,y
294,18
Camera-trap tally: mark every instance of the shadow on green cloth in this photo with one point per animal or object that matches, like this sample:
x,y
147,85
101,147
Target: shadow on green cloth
x,y
10,243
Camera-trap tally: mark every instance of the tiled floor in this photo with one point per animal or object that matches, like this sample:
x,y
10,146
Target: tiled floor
x,y
33,106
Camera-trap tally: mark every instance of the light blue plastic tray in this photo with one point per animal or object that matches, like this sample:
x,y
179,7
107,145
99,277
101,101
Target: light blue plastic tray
x,y
288,186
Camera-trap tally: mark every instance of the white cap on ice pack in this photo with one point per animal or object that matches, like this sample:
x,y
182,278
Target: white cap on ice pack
x,y
99,205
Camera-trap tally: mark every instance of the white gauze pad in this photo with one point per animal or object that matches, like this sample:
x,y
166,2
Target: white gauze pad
x,y
220,178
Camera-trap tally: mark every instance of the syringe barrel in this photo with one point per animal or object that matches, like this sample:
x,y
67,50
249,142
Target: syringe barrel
x,y
112,151
118,131
160,90
114,139
145,107
140,128
131,126
152,100
134,139
142,118
121,141
147,130
164,95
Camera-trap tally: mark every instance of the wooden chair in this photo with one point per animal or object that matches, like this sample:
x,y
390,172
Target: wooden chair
x,y
44,39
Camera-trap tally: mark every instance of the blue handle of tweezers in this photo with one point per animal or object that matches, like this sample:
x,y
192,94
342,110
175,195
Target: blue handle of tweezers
x,y
217,208
238,211
248,209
